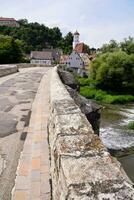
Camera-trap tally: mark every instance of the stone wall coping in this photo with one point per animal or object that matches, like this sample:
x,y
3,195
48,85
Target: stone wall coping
x,y
81,167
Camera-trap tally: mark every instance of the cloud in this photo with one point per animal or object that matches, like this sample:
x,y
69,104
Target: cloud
x,y
98,21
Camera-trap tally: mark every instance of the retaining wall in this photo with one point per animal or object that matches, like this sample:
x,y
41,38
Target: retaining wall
x,y
81,167
7,69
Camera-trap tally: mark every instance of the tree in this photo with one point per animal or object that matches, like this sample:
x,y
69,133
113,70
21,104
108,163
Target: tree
x,y
111,47
10,50
114,72
67,43
128,45
87,49
23,22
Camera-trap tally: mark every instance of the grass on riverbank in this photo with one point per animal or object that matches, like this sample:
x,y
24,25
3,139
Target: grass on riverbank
x,y
131,125
100,95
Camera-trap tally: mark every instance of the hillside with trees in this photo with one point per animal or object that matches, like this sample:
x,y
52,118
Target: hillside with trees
x,y
35,36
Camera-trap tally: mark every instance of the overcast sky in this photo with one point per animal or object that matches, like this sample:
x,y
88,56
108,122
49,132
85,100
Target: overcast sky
x,y
97,21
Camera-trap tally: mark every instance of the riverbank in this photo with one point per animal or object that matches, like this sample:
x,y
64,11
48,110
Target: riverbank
x,y
90,92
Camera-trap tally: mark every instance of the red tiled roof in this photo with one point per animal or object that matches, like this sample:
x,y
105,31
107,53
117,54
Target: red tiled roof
x,y
6,19
79,48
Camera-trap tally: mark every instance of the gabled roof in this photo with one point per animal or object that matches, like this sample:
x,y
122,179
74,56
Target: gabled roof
x,y
6,19
43,55
79,48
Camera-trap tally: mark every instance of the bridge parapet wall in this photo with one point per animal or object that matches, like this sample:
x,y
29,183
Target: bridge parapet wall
x,y
81,167
7,69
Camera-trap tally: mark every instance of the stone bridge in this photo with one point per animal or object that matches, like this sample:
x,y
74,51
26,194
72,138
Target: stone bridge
x,y
48,150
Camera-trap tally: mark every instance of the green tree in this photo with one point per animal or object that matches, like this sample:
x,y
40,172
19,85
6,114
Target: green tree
x,y
114,72
87,49
66,43
111,47
128,45
10,50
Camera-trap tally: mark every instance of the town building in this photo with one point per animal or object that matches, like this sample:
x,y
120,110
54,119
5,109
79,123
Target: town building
x,y
56,54
76,63
11,22
63,59
41,57
86,59
46,57
78,60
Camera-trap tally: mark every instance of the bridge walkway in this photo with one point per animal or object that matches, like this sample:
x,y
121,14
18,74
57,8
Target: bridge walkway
x,y
32,181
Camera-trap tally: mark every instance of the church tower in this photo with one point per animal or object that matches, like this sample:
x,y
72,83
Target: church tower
x,y
76,39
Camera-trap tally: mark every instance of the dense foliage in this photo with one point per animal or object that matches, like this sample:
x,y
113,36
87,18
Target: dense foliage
x,y
113,70
111,75
88,90
10,50
127,46
35,36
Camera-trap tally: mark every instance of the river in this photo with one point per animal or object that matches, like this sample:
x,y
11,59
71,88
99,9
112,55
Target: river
x,y
115,135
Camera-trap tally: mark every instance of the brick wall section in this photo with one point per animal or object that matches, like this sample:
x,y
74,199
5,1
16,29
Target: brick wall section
x,y
7,69
81,167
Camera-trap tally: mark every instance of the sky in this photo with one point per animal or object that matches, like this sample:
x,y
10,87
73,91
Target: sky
x,y
97,21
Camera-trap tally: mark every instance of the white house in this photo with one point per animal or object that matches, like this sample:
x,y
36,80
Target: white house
x,y
41,57
75,62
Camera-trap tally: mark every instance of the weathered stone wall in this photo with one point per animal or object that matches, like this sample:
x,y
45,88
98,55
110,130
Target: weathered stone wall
x,y
13,68
7,69
81,167
88,107
28,65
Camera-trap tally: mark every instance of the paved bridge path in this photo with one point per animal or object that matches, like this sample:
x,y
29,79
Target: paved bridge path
x,y
23,146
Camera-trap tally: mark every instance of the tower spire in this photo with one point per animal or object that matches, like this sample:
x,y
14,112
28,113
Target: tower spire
x,y
76,39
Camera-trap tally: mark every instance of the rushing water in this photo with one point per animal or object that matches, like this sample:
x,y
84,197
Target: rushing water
x,y
115,135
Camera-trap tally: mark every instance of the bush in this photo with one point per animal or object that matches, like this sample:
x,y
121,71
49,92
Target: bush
x,y
114,72
103,96
130,125
83,81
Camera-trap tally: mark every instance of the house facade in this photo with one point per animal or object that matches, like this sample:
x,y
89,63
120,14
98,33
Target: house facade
x,y
63,59
76,63
56,53
86,59
41,57
79,60
11,22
